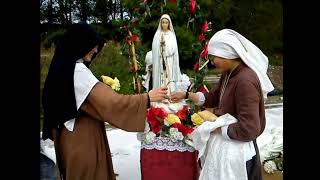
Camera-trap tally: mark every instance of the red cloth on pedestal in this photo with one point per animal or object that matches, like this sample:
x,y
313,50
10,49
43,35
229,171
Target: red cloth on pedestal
x,y
168,165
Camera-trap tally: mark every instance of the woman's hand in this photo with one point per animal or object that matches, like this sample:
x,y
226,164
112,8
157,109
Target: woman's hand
x,y
158,94
177,96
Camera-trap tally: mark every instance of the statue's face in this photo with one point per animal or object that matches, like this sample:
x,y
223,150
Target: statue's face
x,y
165,24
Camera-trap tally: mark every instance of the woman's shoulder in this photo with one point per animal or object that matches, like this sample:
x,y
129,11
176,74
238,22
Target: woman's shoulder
x,y
80,67
82,73
247,75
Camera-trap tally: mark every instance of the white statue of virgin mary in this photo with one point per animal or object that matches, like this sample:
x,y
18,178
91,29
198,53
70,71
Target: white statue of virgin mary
x,y
165,56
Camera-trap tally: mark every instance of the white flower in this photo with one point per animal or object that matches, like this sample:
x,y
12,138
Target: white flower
x,y
147,135
270,166
141,136
150,137
146,127
184,82
172,131
179,136
175,134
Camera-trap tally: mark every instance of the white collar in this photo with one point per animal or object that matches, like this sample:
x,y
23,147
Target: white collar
x,y
80,60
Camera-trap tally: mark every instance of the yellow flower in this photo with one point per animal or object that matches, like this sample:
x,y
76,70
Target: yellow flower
x,y
196,119
113,83
116,84
171,119
107,80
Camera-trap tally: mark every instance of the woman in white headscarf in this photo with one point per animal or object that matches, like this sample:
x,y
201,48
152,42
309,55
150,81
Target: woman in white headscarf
x,y
238,100
165,56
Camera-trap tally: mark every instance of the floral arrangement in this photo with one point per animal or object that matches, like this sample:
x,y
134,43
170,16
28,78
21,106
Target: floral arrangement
x,y
272,153
177,126
273,163
200,67
113,83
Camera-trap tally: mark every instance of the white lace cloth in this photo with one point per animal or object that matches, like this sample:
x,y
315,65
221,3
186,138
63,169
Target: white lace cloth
x,y
161,143
165,143
224,159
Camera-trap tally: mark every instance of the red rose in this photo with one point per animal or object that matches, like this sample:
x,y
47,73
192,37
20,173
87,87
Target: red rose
x,y
204,27
135,38
152,115
202,89
183,129
204,52
192,6
183,113
196,67
173,1
132,69
159,112
155,125
202,37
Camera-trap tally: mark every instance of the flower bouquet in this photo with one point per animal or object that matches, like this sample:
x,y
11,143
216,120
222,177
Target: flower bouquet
x,y
273,163
174,126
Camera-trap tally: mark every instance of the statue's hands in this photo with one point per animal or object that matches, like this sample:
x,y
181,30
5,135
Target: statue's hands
x,y
158,94
177,96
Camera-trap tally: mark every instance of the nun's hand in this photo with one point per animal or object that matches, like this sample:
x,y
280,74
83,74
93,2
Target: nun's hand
x,y
158,94
177,96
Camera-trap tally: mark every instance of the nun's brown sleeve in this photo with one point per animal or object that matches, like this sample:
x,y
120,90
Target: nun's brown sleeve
x,y
251,122
127,112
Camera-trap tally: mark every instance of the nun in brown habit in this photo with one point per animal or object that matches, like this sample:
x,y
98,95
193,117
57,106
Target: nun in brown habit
x,y
76,106
240,93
